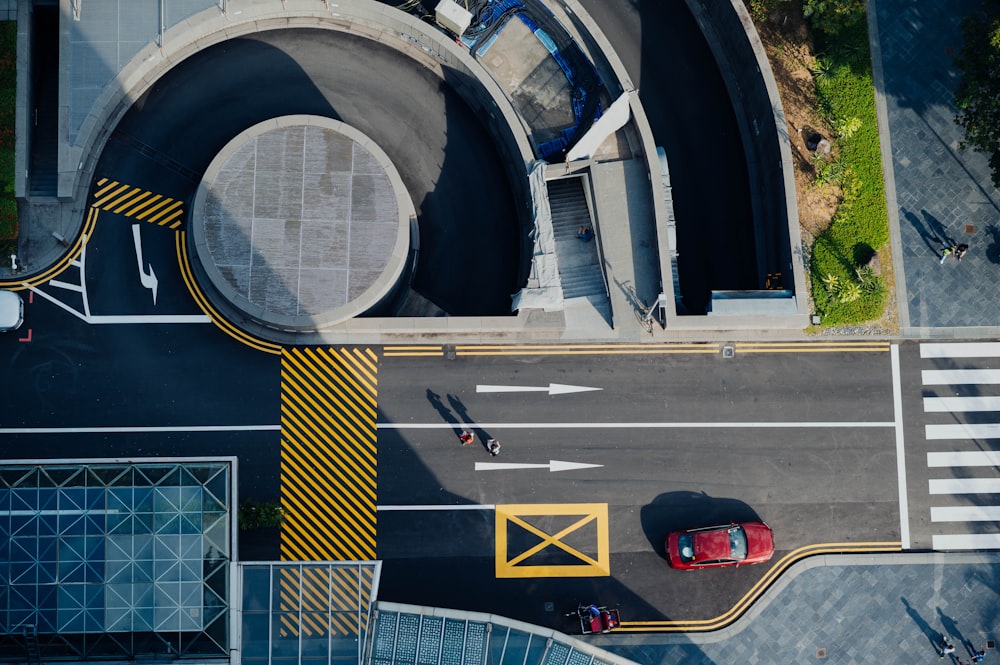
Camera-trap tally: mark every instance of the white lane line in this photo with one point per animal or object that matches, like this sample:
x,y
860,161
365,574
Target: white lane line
x,y
897,409
965,514
963,431
960,350
139,430
969,541
403,426
961,404
964,485
58,303
124,319
64,285
149,318
956,377
648,425
428,507
964,458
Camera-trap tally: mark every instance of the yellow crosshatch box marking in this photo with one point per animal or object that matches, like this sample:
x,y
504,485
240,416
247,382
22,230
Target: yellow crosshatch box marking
x,y
595,514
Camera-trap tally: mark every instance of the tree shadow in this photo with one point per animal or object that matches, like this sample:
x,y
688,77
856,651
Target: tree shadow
x,y
993,249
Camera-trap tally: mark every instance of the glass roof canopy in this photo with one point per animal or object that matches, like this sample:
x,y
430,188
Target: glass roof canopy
x,y
116,560
306,613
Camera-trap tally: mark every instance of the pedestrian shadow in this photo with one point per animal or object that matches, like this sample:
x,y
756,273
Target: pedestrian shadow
x,y
938,229
933,636
993,249
465,422
951,628
443,411
930,238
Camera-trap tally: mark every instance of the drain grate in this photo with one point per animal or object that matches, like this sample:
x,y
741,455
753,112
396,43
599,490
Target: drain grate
x,y
821,653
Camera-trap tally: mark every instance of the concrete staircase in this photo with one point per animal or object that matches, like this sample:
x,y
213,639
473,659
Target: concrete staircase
x,y
579,262
44,117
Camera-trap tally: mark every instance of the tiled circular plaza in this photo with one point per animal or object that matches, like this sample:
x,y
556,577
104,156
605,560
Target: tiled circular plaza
x,y
302,222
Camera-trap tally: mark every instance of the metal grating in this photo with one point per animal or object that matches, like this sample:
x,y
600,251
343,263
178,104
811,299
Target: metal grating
x,y
421,636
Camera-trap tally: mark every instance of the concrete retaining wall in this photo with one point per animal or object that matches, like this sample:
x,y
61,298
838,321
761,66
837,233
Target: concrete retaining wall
x,y
736,45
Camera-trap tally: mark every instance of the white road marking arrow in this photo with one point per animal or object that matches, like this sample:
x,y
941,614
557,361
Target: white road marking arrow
x,y
552,389
148,279
552,466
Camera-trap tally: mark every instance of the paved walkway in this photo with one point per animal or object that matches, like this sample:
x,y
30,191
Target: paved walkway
x,y
887,609
939,189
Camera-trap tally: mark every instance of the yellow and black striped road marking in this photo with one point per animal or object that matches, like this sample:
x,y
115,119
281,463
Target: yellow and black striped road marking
x,y
138,203
757,590
328,453
319,600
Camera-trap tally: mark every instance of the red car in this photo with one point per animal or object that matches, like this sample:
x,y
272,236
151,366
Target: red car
x,y
723,545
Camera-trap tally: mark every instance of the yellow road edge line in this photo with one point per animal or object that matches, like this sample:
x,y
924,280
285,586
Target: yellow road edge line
x,y
220,322
412,355
589,352
865,349
62,264
517,347
758,589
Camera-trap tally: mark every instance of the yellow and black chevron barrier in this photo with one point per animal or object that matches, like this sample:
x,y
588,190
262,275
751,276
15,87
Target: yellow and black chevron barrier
x,y
320,600
328,453
138,203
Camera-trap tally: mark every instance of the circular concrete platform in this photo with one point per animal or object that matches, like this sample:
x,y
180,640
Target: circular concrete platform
x,y
302,222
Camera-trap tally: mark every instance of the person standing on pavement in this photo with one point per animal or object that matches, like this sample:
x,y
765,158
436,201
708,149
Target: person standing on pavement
x,y
946,251
960,251
946,647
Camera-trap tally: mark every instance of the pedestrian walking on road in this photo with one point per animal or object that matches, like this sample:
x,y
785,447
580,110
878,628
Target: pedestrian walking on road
x,y
466,438
946,251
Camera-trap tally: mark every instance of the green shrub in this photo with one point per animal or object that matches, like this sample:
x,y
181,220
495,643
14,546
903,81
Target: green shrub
x,y
846,96
260,515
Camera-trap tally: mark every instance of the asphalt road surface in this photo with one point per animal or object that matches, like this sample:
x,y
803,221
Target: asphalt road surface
x,y
680,441
446,158
806,441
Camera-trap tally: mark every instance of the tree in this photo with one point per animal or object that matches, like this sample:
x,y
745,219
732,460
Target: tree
x,y
831,16
978,94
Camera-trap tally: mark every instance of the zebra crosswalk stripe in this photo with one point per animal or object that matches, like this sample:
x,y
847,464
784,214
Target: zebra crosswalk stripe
x,y
970,483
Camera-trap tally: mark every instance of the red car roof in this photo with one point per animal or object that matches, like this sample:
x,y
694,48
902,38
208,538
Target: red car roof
x,y
711,545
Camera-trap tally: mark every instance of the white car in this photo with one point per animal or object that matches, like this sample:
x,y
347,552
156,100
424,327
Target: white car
x,y
11,311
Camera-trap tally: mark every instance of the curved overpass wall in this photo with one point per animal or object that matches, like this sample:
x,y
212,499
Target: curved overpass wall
x,y
741,58
366,18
